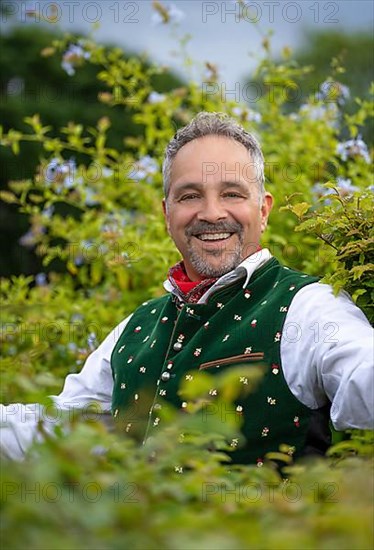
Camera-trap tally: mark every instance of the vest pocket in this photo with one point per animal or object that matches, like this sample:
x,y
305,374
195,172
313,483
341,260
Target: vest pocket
x,y
243,358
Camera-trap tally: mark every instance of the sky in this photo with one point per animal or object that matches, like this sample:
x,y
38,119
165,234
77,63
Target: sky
x,y
218,34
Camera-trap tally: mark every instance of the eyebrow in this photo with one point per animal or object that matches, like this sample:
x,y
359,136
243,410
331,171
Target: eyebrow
x,y
199,186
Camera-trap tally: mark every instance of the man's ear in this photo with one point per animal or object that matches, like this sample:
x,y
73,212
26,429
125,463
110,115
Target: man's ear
x,y
267,205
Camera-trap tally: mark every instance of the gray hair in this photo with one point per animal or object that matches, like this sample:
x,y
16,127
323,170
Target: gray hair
x,y
216,124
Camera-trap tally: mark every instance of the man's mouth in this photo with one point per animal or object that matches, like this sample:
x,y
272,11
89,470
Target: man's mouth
x,y
213,236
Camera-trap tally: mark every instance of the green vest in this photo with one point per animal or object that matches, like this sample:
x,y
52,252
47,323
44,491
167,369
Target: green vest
x,y
163,343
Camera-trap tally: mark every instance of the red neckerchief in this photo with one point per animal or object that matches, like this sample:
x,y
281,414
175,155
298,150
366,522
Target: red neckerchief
x,y
190,291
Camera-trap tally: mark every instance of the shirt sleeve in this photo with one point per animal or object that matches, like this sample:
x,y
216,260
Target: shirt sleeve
x,y
93,385
327,354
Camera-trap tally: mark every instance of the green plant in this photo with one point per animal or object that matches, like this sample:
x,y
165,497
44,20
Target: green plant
x,y
95,209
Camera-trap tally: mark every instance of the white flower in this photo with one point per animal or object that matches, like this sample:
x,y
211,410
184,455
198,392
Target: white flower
x,y
155,97
353,148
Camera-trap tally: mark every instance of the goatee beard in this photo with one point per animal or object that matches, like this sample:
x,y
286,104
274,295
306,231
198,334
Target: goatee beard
x,y
230,257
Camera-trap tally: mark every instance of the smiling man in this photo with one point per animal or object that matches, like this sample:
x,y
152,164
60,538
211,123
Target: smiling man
x,y
215,205
228,302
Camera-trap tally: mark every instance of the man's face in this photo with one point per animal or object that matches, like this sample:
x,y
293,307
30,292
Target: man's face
x,y
213,212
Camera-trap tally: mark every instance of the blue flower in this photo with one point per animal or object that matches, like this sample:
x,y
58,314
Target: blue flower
x,y
334,92
247,114
29,239
320,191
61,171
328,112
353,148
90,197
92,341
144,169
345,186
155,97
41,279
74,57
169,14
78,260
107,172
48,211
72,347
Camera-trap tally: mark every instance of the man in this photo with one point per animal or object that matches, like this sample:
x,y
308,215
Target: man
x,y
229,302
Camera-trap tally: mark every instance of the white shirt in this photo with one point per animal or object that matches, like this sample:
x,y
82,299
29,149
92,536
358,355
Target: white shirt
x,y
327,354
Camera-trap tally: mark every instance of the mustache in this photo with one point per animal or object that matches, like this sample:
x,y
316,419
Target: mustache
x,y
219,227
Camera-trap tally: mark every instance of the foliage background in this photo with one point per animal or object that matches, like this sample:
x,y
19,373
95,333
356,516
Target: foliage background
x,y
90,188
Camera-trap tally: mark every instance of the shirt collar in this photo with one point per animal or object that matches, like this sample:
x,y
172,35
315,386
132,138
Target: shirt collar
x,y
246,268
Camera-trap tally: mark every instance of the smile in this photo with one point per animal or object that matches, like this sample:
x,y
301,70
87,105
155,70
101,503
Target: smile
x,y
213,236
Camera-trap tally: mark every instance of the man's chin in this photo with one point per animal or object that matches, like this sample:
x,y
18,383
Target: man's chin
x,y
213,267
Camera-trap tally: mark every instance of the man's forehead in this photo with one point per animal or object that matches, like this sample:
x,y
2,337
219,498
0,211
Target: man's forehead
x,y
211,142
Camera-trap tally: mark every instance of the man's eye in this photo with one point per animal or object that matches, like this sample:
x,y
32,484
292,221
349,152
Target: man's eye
x,y
189,197
232,194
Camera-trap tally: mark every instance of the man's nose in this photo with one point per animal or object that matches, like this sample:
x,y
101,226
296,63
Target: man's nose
x,y
211,211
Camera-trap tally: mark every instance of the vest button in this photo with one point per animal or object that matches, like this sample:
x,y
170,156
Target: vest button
x,y
165,376
177,346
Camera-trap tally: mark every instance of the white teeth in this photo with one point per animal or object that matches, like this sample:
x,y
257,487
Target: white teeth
x,y
213,236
